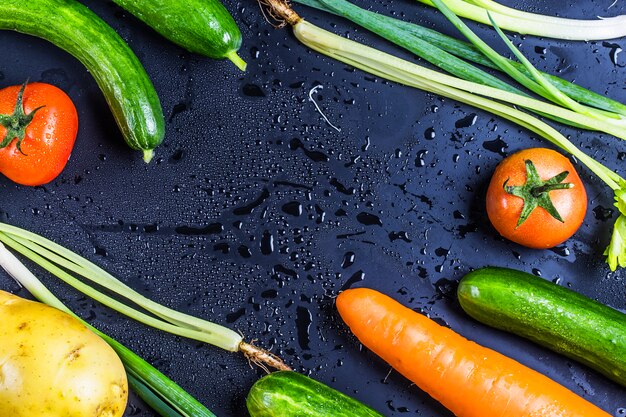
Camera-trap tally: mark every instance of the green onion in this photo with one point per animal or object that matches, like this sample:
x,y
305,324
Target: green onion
x,y
62,262
550,91
413,43
494,93
536,24
150,398
395,69
537,83
157,390
436,48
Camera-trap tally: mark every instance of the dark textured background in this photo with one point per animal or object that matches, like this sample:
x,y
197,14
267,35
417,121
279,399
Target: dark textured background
x,y
413,160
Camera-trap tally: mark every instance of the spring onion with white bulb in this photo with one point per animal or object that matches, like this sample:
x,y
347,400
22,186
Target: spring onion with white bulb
x,y
158,391
534,81
63,263
536,24
408,35
442,51
484,97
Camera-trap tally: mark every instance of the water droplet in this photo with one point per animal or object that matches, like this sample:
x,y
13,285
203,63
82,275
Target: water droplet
x,y
467,121
419,159
249,208
177,156
271,293
348,260
497,146
393,236
151,228
267,243
316,156
293,208
342,188
356,277
213,228
422,272
467,228
100,251
222,247
603,214
561,250
615,49
233,317
304,318
252,90
369,219
244,251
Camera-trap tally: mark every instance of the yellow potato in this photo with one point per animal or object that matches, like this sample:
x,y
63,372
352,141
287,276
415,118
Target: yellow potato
x,y
51,365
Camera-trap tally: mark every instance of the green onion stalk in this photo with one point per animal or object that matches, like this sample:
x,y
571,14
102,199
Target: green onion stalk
x,y
536,24
436,48
446,53
158,391
65,264
484,97
531,78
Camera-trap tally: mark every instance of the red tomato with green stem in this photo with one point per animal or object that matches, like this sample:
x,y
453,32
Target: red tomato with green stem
x,y
38,127
536,198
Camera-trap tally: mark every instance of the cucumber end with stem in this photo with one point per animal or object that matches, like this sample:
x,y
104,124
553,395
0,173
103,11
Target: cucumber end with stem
x,y
148,154
236,59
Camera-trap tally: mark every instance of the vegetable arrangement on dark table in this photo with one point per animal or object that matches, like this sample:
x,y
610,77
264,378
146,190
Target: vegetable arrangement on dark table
x,y
225,274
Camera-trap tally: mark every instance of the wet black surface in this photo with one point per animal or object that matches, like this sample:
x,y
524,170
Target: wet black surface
x,y
256,212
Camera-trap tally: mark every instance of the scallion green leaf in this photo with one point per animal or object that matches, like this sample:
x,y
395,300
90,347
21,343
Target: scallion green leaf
x,y
381,25
61,262
535,82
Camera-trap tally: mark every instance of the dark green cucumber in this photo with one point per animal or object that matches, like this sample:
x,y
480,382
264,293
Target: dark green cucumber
x,y
548,314
121,77
201,26
289,394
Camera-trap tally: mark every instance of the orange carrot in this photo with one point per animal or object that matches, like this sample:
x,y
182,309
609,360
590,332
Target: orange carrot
x,y
468,379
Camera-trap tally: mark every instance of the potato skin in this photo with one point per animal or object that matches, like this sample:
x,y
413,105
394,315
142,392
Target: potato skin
x,y
51,365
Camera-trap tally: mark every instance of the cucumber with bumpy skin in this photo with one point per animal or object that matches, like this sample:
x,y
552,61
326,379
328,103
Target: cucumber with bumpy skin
x,y
201,26
550,315
119,74
289,394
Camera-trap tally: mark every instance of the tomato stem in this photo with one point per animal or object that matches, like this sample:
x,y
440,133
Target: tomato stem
x,y
17,123
536,193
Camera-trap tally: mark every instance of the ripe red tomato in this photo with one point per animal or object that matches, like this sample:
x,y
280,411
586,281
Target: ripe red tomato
x,y
530,202
38,127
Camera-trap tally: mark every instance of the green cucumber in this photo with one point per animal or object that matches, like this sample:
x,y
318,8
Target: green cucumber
x,y
289,394
546,313
119,74
201,26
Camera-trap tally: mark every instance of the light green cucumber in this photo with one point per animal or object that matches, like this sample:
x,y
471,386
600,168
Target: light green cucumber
x,y
289,394
546,313
201,26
